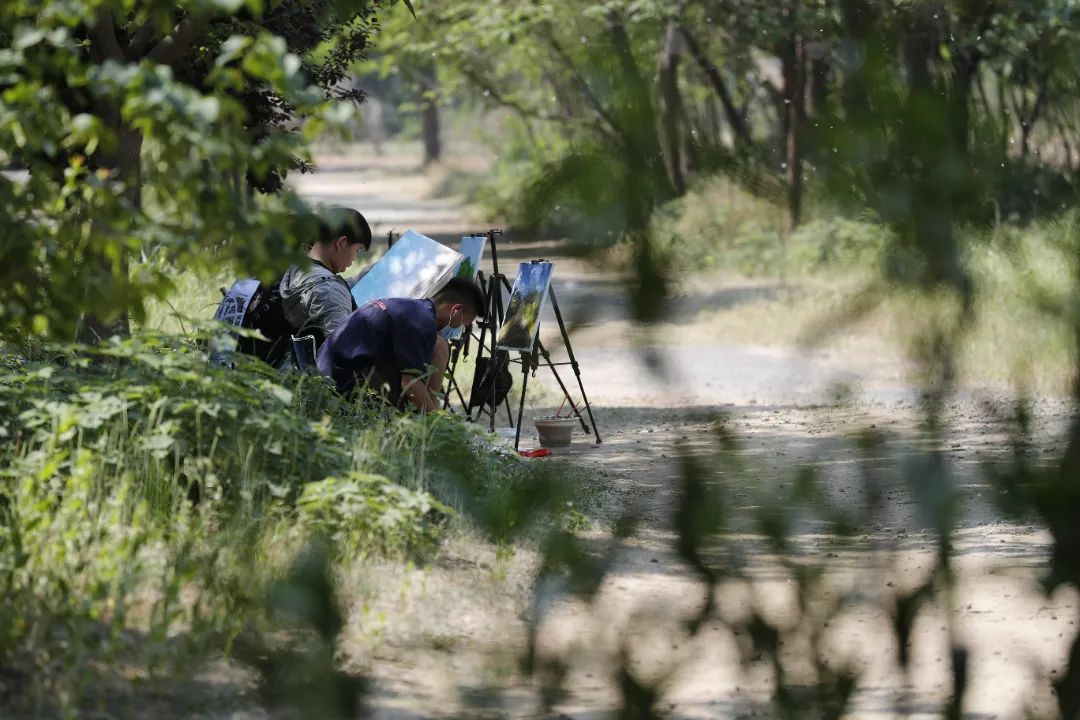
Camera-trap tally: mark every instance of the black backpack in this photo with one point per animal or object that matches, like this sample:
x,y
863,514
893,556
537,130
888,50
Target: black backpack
x,y
491,376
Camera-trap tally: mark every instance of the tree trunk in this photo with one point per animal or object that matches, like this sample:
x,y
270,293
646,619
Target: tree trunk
x,y
691,141
964,71
429,83
819,86
1032,117
712,115
567,107
125,162
858,18
793,62
643,148
670,103
1063,133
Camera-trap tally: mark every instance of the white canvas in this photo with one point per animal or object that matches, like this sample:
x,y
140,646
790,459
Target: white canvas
x,y
414,267
527,301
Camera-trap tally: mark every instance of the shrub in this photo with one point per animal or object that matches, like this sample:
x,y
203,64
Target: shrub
x,y
720,226
144,494
364,513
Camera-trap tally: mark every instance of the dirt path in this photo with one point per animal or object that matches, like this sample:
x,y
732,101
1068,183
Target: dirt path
x,y
439,638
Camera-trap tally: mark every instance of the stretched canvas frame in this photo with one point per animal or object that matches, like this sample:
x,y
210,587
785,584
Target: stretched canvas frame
x,y
414,267
527,301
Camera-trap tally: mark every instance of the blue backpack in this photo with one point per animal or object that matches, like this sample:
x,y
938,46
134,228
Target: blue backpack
x,y
251,305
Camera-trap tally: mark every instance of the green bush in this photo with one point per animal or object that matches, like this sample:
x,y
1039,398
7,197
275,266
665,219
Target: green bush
x,y
144,494
720,226
364,513
152,406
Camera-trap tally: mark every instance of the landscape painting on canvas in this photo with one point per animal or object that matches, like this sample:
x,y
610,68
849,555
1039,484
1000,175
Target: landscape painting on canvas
x,y
526,302
473,249
414,267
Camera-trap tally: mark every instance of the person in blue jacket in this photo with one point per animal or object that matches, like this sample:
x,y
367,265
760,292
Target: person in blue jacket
x,y
399,347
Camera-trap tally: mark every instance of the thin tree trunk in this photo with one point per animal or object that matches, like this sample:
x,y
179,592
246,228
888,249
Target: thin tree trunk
x,y
691,141
670,103
430,129
819,86
793,61
644,147
858,17
988,109
1063,133
126,165
1003,108
125,162
964,69
1033,116
562,97
713,117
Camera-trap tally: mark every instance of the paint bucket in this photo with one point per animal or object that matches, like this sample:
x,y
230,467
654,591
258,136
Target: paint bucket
x,y
555,432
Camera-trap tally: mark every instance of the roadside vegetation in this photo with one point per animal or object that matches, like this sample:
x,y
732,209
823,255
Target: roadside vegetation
x,y
910,161
153,508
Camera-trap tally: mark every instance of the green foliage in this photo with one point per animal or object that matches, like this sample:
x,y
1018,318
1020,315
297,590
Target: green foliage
x,y
905,135
364,513
143,492
150,404
564,82
137,138
720,226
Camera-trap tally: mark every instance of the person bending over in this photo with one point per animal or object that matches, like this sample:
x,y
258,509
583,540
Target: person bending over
x,y
399,347
315,299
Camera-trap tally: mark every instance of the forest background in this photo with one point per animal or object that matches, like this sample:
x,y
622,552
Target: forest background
x,y
919,156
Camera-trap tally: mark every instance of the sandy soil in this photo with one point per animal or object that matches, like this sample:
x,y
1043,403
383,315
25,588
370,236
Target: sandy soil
x,y
440,638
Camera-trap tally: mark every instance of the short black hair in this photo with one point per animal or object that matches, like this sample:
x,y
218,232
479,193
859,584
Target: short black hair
x,y
335,222
465,292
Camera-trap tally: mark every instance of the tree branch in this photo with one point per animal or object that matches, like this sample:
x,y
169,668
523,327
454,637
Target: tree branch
x,y
142,39
621,40
173,47
523,111
736,120
586,89
103,42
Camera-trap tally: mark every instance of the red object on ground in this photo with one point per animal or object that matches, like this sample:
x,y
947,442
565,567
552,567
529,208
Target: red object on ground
x,y
538,452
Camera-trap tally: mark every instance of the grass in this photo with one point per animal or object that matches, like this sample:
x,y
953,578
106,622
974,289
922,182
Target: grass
x,y
1014,338
146,495
1021,329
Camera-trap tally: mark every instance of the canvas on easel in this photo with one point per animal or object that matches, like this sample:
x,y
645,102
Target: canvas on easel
x,y
472,247
527,300
414,267
520,332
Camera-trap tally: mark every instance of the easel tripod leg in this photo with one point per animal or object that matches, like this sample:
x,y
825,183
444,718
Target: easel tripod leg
x,y
562,386
527,364
574,364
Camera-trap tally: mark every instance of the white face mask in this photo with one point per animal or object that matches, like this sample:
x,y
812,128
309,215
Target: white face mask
x,y
451,333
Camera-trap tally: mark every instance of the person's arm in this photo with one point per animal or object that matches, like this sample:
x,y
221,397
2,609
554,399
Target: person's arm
x,y
413,348
416,390
440,360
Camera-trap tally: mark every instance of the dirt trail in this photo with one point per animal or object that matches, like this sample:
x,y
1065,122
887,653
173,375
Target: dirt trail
x,y
450,634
